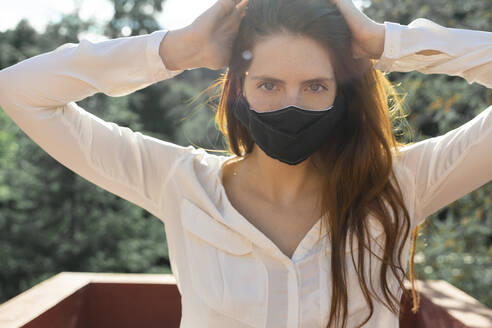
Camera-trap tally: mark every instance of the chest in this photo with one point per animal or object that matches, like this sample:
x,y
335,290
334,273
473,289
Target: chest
x,y
286,227
234,278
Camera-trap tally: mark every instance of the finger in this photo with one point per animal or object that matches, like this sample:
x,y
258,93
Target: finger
x,y
237,13
229,5
224,7
232,21
241,7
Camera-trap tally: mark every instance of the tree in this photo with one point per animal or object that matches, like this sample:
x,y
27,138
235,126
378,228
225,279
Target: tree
x,y
457,241
53,220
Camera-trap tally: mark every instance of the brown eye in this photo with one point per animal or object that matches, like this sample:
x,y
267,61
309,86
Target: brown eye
x,y
269,86
319,88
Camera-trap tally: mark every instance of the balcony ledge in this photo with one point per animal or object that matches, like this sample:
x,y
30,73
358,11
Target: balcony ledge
x,y
84,299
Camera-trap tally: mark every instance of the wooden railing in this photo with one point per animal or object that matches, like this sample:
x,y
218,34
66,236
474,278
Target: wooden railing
x,y
80,300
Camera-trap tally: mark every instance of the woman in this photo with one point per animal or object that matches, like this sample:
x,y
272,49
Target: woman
x,y
276,234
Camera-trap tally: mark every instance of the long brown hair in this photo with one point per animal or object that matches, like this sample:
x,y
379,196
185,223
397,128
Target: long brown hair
x,y
356,162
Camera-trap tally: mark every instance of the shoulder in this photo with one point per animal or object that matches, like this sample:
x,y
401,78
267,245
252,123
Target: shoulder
x,y
199,169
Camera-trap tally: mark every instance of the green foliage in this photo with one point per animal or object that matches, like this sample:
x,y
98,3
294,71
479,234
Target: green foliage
x,y
455,243
457,249
52,220
136,14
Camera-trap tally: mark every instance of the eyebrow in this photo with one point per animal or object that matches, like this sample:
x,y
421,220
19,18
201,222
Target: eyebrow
x,y
272,79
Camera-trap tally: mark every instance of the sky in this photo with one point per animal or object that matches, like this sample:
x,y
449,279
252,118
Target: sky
x,y
175,14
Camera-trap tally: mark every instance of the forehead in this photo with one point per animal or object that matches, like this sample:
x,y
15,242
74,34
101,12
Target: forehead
x,y
290,57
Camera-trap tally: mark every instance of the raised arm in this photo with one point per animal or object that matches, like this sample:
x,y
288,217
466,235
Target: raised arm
x,y
39,95
430,48
446,167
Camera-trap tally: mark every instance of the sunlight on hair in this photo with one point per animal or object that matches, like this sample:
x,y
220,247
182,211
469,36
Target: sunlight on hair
x,y
179,13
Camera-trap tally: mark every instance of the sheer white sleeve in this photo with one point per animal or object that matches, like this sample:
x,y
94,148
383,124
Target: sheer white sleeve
x,y
446,167
39,95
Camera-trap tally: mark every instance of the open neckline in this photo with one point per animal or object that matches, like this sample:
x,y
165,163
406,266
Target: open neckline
x,y
310,238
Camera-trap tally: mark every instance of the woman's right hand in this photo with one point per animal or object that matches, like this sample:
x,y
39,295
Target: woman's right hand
x,y
217,28
368,35
208,41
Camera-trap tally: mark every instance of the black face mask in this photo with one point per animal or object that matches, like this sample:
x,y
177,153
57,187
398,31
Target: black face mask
x,y
290,134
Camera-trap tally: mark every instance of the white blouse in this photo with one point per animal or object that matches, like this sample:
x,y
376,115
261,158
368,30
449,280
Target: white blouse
x,y
228,272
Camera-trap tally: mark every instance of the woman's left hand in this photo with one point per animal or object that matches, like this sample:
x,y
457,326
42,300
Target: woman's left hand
x,y
368,35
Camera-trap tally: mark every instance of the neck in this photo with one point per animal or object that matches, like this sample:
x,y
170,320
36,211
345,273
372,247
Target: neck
x,y
277,182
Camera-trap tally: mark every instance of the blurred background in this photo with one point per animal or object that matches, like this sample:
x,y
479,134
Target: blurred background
x,y
51,220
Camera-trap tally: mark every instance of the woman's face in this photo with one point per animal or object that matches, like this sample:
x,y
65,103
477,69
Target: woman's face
x,y
289,70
